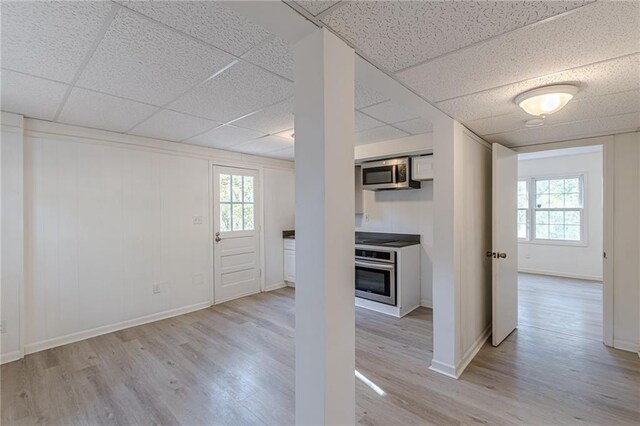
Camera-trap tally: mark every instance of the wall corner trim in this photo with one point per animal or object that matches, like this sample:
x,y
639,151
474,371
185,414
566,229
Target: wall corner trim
x,y
11,356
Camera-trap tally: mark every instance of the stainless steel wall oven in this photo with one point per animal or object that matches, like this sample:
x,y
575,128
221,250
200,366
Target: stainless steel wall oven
x,y
376,275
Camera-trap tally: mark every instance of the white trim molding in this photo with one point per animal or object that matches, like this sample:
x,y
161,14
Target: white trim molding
x,y
560,274
10,357
98,331
275,286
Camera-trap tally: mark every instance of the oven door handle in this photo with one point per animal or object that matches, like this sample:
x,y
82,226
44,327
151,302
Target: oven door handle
x,y
376,265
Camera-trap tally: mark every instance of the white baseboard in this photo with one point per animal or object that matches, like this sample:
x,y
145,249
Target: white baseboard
x,y
442,368
426,303
237,296
98,331
473,351
275,286
10,357
626,345
455,372
560,274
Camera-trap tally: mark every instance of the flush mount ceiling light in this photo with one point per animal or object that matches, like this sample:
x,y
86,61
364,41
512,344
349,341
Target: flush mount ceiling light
x,y
546,100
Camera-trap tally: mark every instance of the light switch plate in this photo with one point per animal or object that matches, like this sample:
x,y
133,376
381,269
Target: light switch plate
x,y
197,220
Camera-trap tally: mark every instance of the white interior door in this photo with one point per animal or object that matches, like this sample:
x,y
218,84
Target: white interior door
x,y
505,243
236,230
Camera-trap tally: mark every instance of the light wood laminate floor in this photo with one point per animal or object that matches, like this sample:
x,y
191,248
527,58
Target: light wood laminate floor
x,y
234,364
561,305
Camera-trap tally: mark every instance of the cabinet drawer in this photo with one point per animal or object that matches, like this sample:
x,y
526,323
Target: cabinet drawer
x,y
289,244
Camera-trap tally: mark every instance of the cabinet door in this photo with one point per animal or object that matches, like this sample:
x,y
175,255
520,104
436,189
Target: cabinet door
x,y
290,265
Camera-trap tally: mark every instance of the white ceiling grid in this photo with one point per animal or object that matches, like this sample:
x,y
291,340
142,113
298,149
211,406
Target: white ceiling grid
x,y
170,70
472,58
180,70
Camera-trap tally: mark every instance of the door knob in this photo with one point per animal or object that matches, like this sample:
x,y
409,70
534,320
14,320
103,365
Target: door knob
x,y
502,255
489,254
217,238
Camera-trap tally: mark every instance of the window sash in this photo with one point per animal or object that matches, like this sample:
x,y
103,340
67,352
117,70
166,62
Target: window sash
x,y
532,212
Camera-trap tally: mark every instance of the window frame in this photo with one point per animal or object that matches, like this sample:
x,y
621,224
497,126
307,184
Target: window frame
x,y
532,208
231,202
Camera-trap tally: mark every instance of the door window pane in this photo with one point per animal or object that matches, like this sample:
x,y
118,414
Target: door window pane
x,y
248,216
236,188
248,189
236,199
237,213
225,188
225,217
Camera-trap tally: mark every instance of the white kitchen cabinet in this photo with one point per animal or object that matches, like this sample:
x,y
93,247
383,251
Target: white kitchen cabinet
x,y
290,261
422,167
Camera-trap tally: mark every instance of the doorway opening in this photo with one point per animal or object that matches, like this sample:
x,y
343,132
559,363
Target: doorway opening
x,y
560,241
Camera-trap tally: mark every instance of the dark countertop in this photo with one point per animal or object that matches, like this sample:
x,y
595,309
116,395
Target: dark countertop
x,y
379,239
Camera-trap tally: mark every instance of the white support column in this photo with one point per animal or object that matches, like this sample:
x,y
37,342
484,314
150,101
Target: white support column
x,y
447,236
325,225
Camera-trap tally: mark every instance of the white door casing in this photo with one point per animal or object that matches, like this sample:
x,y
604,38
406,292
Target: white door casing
x,y
236,228
505,243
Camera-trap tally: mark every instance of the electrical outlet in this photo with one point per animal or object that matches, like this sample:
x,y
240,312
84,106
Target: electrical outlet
x,y
156,288
366,217
3,326
197,220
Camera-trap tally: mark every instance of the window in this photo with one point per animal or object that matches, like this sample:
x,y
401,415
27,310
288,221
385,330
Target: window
x,y
523,209
554,211
236,203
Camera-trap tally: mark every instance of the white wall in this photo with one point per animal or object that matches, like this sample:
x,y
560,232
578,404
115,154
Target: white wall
x,y
279,213
404,212
108,215
583,262
475,290
11,226
626,248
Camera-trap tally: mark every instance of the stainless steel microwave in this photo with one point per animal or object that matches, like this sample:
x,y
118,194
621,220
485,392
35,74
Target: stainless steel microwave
x,y
388,174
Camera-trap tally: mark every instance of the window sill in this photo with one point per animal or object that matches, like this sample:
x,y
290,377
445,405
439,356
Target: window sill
x,y
555,243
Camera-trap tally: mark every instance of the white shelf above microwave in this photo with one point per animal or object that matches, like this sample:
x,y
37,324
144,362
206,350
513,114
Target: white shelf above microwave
x,y
422,167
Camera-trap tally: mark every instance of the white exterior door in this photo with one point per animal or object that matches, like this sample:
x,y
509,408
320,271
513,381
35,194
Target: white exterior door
x,y
505,243
236,230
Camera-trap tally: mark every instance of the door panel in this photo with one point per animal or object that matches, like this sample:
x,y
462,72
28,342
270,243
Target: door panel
x,y
236,229
505,243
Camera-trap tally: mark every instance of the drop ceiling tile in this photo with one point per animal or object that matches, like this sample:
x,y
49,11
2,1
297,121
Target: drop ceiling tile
x,y
316,7
389,112
275,55
379,134
593,33
365,95
91,109
270,120
263,145
398,34
240,90
208,21
224,137
142,60
577,110
599,79
31,96
172,126
49,38
415,126
571,130
364,122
